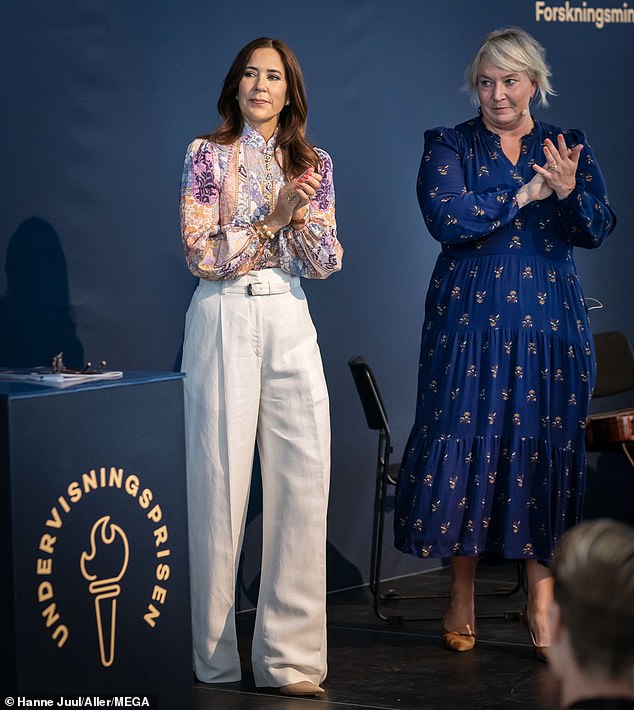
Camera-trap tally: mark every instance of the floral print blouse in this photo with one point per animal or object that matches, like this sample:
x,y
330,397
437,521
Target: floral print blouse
x,y
226,188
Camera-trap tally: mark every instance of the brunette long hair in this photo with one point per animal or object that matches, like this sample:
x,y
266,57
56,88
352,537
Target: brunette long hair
x,y
297,153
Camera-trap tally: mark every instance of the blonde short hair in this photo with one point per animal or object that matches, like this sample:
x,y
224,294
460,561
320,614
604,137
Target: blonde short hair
x,y
512,49
593,575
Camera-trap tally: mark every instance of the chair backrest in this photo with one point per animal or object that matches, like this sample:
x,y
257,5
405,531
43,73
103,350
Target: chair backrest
x,y
615,364
369,393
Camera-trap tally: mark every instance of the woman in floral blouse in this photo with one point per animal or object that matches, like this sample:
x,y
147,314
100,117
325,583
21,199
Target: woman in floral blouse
x,y
257,213
496,458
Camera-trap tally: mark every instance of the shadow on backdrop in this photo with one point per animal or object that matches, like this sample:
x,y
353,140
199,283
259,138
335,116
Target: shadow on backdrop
x,y
35,318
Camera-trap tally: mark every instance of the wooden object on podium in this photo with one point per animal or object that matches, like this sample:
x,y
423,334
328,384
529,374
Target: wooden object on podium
x,y
612,430
609,428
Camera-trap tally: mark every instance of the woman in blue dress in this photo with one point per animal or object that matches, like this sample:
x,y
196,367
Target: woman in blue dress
x,y
496,459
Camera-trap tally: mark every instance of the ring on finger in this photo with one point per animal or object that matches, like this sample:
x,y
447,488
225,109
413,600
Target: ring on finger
x,y
552,166
292,196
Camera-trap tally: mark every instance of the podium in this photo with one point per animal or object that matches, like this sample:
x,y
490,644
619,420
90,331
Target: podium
x,y
93,517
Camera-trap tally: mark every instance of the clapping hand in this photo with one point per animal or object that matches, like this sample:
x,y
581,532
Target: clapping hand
x,y
293,198
561,166
537,189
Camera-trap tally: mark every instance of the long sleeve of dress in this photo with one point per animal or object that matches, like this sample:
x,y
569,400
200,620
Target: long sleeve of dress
x,y
585,215
211,252
314,251
453,214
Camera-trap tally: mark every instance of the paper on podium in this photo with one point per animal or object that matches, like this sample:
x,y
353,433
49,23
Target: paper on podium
x,y
43,376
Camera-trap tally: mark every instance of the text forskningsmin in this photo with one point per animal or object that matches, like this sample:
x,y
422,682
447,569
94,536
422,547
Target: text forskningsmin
x,y
583,13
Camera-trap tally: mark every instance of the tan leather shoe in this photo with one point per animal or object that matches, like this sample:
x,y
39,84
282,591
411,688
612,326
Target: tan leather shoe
x,y
459,641
304,687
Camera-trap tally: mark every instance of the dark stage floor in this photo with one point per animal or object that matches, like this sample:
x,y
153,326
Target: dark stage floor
x,y
373,664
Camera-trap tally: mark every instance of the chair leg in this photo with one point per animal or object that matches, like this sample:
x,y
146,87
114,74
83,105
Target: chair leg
x,y
376,554
378,528
393,595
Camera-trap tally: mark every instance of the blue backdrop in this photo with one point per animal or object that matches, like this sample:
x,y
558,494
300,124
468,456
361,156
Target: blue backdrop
x,y
100,99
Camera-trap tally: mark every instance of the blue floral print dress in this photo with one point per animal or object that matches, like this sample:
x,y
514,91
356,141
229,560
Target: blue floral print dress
x,y
496,458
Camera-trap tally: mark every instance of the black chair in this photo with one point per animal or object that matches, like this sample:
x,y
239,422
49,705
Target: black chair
x,y
612,430
387,475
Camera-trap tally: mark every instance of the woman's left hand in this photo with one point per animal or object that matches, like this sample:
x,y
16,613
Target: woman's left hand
x,y
561,166
306,187
292,200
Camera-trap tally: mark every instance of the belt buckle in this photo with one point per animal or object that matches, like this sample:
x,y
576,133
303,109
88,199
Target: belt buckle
x,y
257,288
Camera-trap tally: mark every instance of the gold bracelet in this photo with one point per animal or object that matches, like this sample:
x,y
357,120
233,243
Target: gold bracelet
x,y
299,224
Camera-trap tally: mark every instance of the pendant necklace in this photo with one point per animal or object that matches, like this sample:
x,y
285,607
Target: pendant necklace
x,y
267,194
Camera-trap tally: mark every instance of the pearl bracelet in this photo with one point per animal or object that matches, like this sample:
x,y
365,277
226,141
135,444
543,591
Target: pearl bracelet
x,y
262,230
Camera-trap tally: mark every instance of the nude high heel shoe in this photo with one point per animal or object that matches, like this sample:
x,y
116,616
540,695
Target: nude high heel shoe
x,y
303,687
541,652
458,640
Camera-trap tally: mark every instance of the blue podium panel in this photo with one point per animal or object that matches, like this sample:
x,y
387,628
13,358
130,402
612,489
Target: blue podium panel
x,y
95,512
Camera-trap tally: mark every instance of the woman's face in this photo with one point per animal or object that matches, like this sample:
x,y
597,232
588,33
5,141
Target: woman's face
x,y
262,90
503,96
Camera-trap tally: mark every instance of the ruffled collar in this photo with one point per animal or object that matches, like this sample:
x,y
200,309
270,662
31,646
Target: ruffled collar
x,y
255,140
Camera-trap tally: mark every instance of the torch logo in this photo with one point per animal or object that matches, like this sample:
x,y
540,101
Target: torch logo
x,y
109,547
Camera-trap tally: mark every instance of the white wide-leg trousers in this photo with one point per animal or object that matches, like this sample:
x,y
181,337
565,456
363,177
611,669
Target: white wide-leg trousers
x,y
254,373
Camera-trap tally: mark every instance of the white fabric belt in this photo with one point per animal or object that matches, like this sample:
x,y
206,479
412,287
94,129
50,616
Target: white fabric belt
x,y
266,288
266,282
258,288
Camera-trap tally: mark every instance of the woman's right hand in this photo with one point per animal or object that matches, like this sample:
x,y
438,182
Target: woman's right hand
x,y
536,189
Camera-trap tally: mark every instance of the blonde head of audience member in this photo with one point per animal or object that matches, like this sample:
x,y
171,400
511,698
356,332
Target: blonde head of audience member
x,y
592,617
